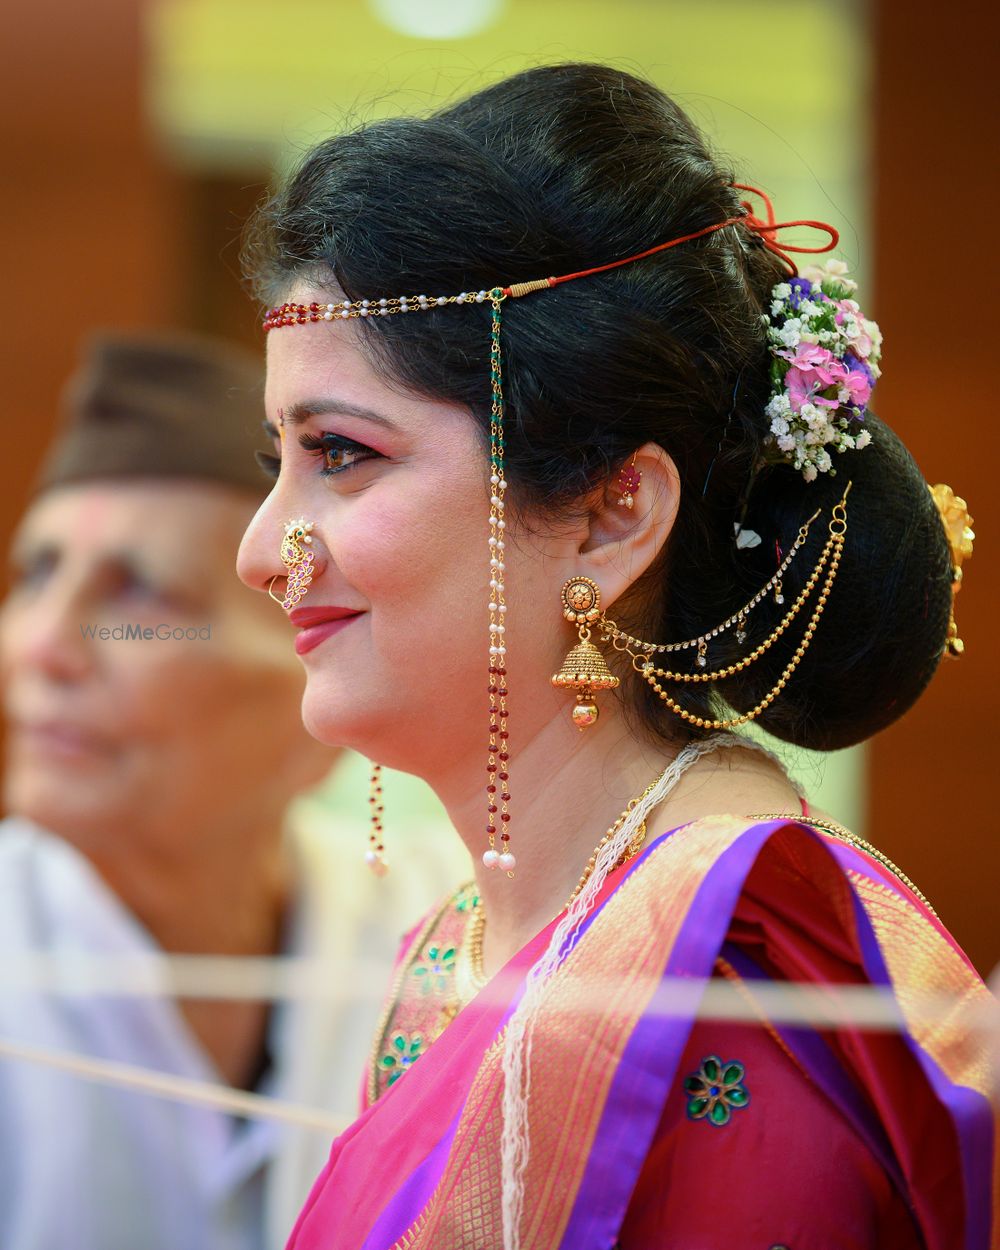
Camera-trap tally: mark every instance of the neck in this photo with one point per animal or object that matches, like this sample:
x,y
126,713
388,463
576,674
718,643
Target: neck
x,y
198,886
569,788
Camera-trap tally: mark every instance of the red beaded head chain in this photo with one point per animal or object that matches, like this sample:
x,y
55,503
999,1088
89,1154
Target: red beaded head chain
x,y
290,314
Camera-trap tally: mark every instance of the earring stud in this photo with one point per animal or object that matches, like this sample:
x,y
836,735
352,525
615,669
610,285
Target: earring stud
x,y
629,481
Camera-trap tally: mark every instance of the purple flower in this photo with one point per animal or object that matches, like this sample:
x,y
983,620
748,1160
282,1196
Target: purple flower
x,y
801,289
859,366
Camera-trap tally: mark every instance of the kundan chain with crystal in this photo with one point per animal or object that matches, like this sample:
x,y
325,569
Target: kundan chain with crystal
x,y
762,231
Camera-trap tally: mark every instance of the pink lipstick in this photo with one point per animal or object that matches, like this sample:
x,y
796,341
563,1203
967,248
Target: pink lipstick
x,y
316,624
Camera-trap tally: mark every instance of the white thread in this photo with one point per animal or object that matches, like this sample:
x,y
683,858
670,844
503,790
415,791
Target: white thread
x,y
176,1088
80,973
816,1006
514,1142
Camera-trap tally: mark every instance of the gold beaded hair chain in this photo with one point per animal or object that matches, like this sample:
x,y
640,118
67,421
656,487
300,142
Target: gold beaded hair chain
x,y
585,670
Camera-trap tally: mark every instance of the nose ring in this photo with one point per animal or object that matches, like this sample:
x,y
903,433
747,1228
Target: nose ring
x,y
298,560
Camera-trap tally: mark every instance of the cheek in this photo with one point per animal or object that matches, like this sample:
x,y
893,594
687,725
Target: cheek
x,y
415,555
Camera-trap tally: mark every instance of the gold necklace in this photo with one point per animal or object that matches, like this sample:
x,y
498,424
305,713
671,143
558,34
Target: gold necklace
x,y
845,835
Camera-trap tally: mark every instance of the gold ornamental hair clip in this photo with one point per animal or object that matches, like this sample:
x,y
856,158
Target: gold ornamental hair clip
x,y
958,528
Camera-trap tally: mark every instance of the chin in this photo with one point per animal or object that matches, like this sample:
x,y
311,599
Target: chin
x,y
378,730
339,719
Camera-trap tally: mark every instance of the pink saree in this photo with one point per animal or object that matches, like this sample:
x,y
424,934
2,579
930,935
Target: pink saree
x,y
651,1128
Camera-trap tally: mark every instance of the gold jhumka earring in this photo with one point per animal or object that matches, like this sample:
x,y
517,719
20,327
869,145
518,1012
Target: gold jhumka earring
x,y
584,669
582,672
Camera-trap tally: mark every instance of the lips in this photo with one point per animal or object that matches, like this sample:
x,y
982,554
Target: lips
x,y
304,617
316,624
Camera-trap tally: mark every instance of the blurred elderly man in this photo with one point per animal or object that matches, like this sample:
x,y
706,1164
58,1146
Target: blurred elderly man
x,y
154,743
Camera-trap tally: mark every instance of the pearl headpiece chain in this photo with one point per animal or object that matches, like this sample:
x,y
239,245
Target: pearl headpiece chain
x,y
763,232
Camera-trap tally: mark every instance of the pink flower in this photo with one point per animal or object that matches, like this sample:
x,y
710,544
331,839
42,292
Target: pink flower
x,y
809,356
814,384
855,389
803,386
813,371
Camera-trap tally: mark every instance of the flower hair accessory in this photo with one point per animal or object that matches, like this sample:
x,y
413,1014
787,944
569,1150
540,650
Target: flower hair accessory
x,y
825,362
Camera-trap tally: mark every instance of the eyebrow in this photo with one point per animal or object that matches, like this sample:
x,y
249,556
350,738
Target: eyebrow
x,y
299,413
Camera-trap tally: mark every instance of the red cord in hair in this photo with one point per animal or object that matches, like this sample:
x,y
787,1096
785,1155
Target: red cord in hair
x,y
764,230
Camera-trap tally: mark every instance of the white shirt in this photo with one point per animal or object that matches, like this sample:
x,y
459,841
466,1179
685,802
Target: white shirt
x,y
87,1167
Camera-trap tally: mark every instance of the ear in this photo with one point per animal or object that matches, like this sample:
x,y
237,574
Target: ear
x,y
621,543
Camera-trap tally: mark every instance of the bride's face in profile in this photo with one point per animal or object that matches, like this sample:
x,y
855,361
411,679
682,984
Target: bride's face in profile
x,y
396,487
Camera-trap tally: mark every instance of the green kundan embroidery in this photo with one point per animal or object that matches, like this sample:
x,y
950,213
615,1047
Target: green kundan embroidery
x,y
435,968
467,898
401,1053
716,1090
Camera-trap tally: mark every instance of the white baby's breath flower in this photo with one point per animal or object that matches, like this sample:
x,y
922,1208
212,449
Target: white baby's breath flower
x,y
779,425
791,332
862,439
779,405
809,472
786,442
781,291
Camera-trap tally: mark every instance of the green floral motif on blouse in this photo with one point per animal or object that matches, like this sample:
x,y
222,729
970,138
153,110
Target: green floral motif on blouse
x,y
435,968
716,1090
467,898
401,1053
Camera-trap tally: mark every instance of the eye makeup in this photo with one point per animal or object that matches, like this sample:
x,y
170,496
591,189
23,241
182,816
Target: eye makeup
x,y
337,453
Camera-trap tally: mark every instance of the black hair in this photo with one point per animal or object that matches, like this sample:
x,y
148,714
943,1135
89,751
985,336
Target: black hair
x,y
563,168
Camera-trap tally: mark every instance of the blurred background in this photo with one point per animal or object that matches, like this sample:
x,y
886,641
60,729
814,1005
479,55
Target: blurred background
x,y
139,134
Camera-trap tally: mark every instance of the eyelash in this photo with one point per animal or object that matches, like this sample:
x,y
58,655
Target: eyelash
x,y
324,445
334,444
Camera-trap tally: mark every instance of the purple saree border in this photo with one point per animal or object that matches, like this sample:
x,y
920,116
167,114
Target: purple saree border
x,y
414,1194
648,1066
